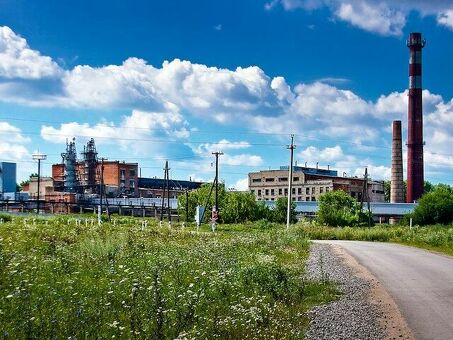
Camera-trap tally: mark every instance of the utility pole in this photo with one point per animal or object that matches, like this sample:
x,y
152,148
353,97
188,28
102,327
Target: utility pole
x,y
187,206
290,182
366,197
101,184
168,191
217,154
165,189
38,157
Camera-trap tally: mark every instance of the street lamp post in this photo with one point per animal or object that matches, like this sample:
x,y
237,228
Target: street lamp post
x,y
38,157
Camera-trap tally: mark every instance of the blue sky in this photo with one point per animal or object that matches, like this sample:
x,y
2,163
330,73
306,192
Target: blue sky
x,y
176,80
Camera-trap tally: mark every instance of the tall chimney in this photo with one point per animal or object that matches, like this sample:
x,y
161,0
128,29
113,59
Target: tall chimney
x,y
396,185
415,178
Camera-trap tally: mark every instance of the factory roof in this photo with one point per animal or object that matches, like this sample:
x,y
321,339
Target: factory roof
x,y
159,183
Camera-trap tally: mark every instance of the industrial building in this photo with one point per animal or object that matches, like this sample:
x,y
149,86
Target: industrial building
x,y
309,184
7,177
154,187
84,176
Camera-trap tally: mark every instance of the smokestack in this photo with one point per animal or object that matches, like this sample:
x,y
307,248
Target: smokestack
x,y
415,177
396,185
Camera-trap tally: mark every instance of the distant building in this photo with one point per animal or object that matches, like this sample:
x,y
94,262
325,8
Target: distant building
x,y
120,178
7,177
46,186
153,187
309,184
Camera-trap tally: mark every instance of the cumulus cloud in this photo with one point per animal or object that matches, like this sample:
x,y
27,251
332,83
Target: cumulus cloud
x,y
241,184
139,131
384,17
13,143
18,61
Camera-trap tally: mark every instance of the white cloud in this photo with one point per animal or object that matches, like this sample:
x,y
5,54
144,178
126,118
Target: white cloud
x,y
241,184
446,19
133,132
242,159
17,60
13,143
371,17
384,17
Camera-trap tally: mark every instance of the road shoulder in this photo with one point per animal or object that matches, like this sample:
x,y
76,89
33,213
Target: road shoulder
x,y
364,311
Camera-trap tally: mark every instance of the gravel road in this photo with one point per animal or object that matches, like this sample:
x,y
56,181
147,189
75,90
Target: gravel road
x,y
364,311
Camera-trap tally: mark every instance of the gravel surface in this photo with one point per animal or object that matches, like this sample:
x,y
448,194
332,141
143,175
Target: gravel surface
x,y
353,316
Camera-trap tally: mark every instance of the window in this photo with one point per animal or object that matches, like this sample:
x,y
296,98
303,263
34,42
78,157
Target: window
x,y
296,179
293,191
267,192
299,191
294,198
256,180
286,192
280,191
283,179
313,190
132,173
272,192
132,183
299,198
269,179
327,189
272,198
122,173
307,198
259,192
321,190
313,198
252,191
353,194
307,191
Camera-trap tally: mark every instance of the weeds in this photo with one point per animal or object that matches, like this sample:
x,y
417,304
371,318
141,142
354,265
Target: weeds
x,y
66,278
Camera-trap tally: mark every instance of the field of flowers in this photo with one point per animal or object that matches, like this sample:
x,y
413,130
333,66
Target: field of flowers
x,y
67,277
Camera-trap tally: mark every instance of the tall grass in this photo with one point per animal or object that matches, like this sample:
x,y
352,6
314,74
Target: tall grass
x,y
437,237
60,278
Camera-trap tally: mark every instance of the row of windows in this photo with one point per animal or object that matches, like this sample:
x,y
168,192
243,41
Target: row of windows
x,y
281,191
299,198
272,179
132,173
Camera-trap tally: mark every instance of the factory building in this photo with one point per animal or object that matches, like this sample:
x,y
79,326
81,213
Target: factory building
x,y
119,178
7,177
309,184
154,187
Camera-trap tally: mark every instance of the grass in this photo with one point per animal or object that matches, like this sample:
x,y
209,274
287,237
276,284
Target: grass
x,y
437,238
60,278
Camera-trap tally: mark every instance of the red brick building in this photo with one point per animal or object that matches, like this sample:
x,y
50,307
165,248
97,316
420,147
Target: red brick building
x,y
120,178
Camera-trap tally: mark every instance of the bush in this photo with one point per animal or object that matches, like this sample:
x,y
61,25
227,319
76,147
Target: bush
x,y
6,217
338,209
280,211
435,207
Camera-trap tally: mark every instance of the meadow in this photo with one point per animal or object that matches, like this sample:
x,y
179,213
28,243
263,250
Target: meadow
x,y
67,277
436,237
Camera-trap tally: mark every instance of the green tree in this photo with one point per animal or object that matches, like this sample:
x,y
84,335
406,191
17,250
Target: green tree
x,y
199,197
239,207
338,209
435,206
279,213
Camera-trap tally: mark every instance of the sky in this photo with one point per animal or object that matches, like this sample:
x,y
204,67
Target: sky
x,y
177,80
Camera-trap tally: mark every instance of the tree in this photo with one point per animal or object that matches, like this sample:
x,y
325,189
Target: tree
x,y
279,213
238,207
199,197
387,189
338,209
435,206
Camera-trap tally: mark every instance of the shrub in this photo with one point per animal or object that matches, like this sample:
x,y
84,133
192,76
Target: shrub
x,y
6,217
280,211
435,207
338,209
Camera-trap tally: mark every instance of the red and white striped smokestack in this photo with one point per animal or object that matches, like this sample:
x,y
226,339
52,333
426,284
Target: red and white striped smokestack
x,y
415,177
